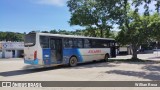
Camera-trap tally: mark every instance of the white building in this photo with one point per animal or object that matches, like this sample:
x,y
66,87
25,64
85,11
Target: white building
x,y
11,49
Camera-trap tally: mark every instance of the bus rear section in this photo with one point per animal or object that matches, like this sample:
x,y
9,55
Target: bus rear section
x,y
30,49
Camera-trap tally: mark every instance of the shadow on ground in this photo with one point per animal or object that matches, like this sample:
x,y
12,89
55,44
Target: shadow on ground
x,y
145,75
95,64
27,71
33,69
151,68
154,58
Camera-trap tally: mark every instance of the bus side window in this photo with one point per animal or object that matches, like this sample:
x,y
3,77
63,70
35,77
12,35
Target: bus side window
x,y
44,42
94,43
106,44
52,44
68,43
87,43
111,44
102,43
75,44
80,43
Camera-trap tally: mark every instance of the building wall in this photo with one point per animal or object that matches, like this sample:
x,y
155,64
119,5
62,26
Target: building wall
x,y
11,49
8,54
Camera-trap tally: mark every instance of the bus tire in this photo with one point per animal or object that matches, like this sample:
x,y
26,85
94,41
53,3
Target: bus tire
x,y
73,61
106,57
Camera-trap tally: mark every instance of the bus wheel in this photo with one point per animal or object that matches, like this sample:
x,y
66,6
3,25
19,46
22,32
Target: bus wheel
x,y
106,58
73,61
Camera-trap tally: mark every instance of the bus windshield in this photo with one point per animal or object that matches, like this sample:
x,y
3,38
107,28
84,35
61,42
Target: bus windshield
x,y
30,39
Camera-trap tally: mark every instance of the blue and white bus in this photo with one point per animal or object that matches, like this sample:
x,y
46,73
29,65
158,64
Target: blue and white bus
x,y
50,49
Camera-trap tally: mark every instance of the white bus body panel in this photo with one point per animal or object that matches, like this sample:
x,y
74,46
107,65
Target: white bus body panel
x,y
94,53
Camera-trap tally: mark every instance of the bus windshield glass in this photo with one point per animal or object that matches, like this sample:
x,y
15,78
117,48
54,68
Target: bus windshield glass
x,y
30,39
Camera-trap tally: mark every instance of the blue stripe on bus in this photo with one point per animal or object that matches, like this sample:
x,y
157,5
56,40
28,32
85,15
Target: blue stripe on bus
x,y
80,58
32,62
67,53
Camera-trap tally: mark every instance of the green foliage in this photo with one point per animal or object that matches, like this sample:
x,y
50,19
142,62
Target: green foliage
x,y
98,14
53,31
89,31
140,30
11,36
155,26
45,32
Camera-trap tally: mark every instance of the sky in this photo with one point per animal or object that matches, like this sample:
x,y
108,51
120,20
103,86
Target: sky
x,y
27,15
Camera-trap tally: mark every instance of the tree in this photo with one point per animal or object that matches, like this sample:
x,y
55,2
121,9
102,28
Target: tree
x,y
138,31
63,32
44,31
54,31
91,32
11,36
95,13
155,26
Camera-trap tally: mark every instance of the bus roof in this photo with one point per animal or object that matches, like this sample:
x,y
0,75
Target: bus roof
x,y
72,36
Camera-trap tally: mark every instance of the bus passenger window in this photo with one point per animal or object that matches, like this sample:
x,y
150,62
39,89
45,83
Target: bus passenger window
x,y
94,43
111,44
52,44
80,43
102,44
44,42
68,43
75,44
87,43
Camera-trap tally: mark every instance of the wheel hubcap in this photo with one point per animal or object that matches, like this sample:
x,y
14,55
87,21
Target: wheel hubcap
x,y
72,61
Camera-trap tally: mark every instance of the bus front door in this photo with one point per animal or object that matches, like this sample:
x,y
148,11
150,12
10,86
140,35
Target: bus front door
x,y
113,51
56,50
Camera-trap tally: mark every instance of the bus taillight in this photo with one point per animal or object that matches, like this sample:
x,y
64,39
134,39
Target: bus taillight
x,y
35,55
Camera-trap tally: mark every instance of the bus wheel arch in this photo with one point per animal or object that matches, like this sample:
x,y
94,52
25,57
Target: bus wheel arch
x,y
73,61
106,57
